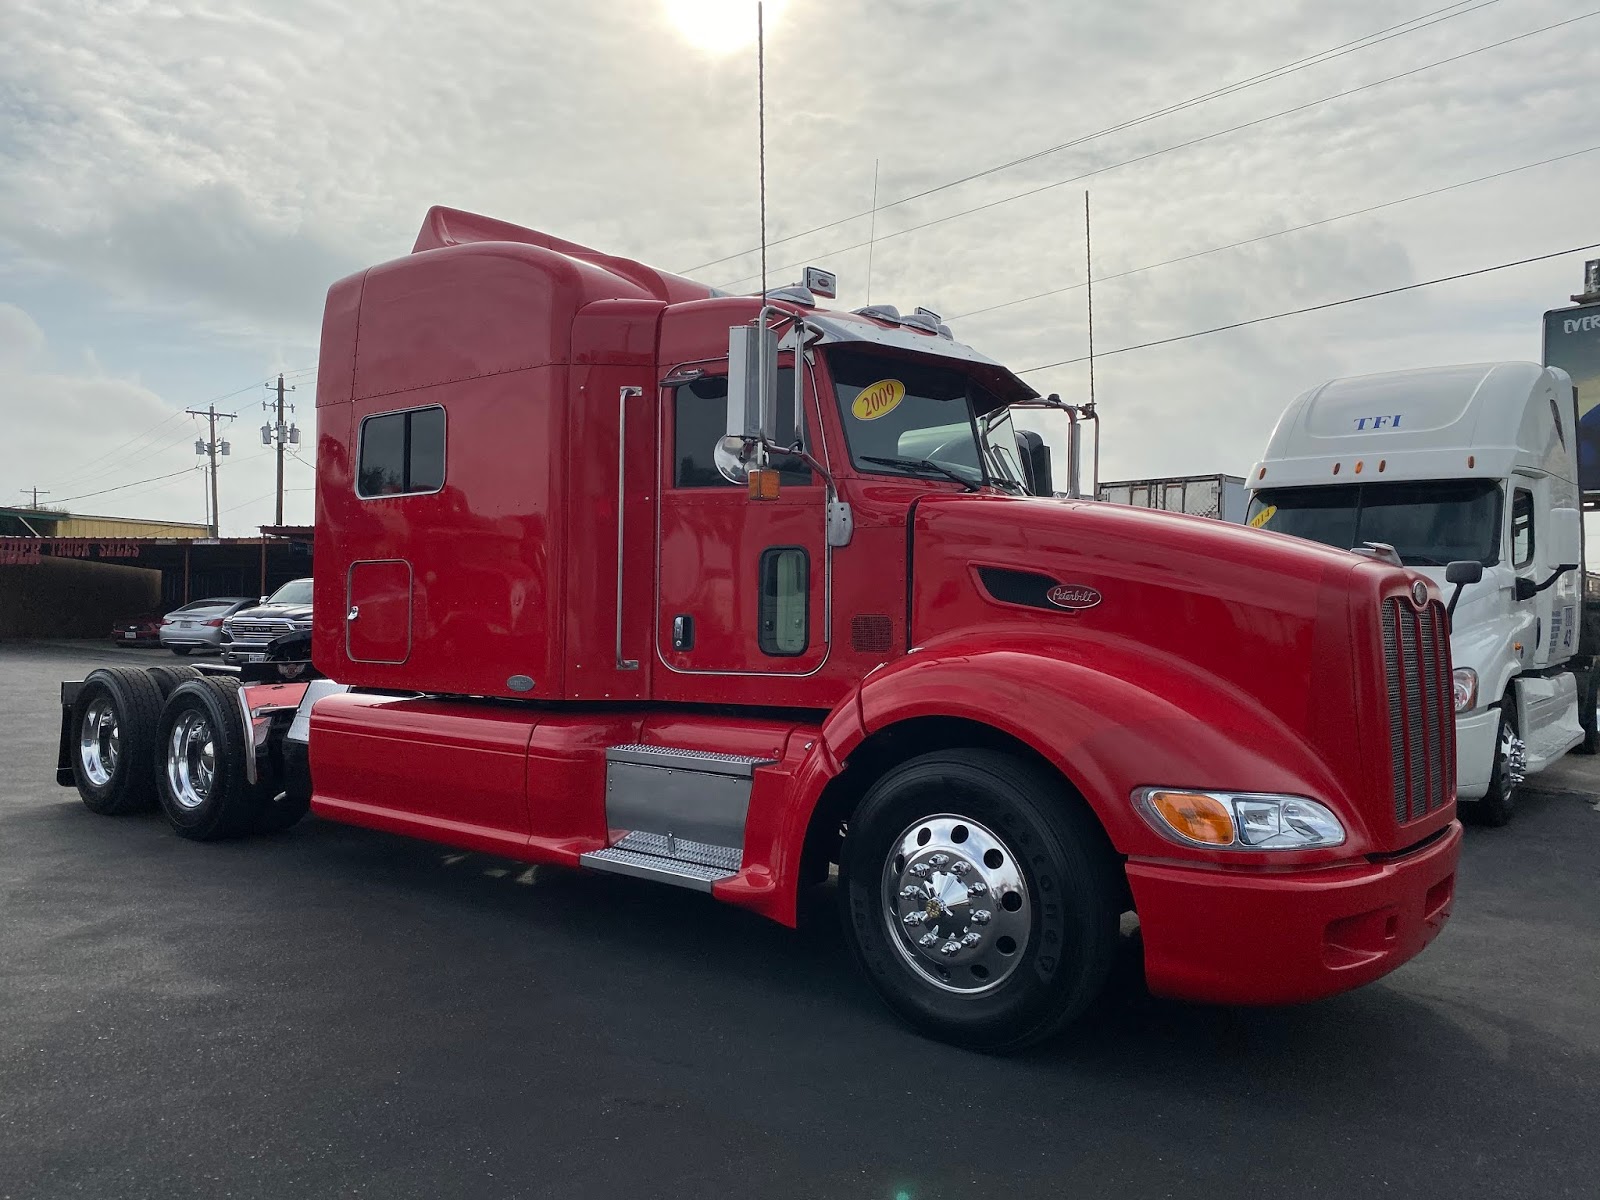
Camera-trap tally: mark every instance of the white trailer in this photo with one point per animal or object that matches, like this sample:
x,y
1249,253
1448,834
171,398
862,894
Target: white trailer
x,y
1219,496
1468,465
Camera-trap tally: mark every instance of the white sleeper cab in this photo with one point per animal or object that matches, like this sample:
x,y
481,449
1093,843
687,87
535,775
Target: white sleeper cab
x,y
1469,475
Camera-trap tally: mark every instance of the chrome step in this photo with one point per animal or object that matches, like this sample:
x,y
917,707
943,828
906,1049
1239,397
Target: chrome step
x,y
697,795
667,859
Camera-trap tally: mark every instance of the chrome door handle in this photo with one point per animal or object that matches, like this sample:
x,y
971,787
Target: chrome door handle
x,y
355,611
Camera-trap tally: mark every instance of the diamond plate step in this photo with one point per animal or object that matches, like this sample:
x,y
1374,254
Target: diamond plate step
x,y
695,865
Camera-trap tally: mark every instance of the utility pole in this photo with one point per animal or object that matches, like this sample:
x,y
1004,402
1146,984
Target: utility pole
x,y
37,492
284,436
211,447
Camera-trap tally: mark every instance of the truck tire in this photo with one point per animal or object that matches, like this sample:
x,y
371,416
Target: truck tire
x,y
200,767
114,720
980,897
168,678
1500,801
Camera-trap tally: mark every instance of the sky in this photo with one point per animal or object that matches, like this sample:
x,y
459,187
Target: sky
x,y
180,183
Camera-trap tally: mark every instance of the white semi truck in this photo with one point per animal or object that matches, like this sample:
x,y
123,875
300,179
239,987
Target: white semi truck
x,y
1468,474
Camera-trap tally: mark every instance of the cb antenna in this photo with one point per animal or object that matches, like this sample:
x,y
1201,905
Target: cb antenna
x,y
1088,275
761,132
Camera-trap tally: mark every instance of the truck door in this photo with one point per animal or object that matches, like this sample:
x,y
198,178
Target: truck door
x,y
742,583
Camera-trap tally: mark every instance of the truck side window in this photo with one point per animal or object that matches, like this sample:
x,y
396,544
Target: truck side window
x,y
785,601
1521,528
402,453
700,414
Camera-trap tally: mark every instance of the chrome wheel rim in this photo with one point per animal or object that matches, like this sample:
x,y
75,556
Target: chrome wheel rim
x,y
956,904
191,760
1513,758
100,741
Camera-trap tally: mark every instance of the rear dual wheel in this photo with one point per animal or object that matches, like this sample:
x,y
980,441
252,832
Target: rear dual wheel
x,y
202,781
981,898
114,721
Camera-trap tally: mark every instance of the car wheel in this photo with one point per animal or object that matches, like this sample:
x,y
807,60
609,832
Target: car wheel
x,y
981,898
114,718
1510,763
180,650
201,780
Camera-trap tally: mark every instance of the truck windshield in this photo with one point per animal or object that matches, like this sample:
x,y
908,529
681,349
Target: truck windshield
x,y
919,413
296,591
1429,523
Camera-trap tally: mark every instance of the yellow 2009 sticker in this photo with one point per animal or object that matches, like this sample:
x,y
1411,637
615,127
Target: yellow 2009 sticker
x,y
1262,517
877,399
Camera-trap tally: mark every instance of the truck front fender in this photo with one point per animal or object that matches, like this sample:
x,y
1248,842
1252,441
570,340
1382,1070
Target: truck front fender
x,y
1111,717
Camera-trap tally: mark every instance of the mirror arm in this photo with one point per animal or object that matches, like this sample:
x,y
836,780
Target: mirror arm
x,y
1450,609
1560,571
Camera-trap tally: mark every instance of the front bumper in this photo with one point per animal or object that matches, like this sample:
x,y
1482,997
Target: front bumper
x,y
1230,936
1475,747
196,640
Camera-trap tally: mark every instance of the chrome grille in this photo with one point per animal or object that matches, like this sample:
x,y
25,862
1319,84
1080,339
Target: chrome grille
x,y
1422,744
264,630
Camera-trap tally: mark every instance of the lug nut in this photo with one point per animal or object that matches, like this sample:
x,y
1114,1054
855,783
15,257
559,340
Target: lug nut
x,y
911,892
915,917
928,938
938,860
950,948
959,868
920,870
980,916
977,888
972,939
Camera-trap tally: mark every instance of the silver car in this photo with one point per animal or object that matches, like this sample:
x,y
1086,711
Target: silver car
x,y
198,625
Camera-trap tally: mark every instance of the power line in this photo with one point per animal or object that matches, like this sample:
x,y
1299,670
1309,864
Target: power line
x,y
1357,212
1188,144
124,486
1295,312
1322,56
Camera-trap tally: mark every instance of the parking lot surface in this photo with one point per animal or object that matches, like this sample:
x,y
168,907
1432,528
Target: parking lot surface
x,y
334,1012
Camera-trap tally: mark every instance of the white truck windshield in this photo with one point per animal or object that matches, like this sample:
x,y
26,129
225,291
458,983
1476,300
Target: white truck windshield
x,y
901,413
1429,523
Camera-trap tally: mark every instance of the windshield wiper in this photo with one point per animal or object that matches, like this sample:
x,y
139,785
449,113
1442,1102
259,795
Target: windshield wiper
x,y
1420,560
922,464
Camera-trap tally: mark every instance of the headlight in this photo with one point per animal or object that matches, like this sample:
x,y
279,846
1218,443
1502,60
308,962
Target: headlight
x,y
302,626
1239,820
1464,687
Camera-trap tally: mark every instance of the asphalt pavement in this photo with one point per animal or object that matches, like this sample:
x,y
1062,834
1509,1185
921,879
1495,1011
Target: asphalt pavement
x,y
334,1012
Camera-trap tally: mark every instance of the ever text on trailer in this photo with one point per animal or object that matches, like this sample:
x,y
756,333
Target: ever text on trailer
x,y
621,573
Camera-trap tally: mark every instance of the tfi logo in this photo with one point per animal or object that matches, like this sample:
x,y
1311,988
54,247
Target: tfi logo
x,y
1582,324
1384,422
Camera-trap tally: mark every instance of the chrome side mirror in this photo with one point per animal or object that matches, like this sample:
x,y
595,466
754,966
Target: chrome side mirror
x,y
752,383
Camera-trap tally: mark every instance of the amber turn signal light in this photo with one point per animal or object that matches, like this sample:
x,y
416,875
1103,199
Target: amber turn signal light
x,y
763,484
1196,816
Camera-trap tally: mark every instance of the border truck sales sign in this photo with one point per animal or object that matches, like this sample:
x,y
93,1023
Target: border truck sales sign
x,y
27,552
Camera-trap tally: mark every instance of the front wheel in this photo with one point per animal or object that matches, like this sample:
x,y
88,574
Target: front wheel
x,y
1510,766
981,898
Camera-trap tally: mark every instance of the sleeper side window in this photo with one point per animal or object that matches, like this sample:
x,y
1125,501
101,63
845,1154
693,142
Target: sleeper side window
x,y
402,453
700,415
1521,528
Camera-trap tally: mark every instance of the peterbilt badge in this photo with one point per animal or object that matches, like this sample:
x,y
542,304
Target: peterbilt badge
x,y
1419,593
1072,596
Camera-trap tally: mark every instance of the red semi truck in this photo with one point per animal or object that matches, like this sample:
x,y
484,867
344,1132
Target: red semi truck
x,y
618,572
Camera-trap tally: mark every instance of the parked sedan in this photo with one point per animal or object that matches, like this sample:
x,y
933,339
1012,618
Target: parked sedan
x,y
198,625
143,630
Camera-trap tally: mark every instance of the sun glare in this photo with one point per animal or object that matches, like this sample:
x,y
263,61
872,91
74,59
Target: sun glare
x,y
720,26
